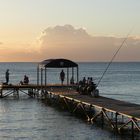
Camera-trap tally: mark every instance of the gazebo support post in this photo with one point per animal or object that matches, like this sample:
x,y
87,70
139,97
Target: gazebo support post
x,y
38,75
45,76
73,73
41,76
67,76
77,75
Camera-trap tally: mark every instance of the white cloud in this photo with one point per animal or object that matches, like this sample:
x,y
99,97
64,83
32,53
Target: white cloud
x,y
71,43
67,41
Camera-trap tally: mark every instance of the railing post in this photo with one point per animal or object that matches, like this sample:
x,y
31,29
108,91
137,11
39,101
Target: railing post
x,y
116,121
132,129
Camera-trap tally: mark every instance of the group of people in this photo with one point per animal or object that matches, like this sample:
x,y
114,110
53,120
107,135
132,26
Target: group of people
x,y
25,80
87,81
86,86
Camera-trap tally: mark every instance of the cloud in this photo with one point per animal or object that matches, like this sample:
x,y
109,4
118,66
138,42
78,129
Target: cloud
x,y
69,42
1,43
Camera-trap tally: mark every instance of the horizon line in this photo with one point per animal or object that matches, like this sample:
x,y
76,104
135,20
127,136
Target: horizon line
x,y
74,61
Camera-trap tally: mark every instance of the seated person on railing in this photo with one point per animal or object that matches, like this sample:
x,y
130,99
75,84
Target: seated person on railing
x,y
25,81
86,86
91,87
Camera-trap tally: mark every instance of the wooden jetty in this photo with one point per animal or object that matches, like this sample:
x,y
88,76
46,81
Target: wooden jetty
x,y
118,115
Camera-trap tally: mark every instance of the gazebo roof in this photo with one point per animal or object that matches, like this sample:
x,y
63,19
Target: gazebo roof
x,y
58,63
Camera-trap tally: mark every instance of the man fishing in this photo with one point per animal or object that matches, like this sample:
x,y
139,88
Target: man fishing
x,y
7,76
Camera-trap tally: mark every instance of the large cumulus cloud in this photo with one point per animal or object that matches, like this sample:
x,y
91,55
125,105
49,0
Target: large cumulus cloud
x,y
69,42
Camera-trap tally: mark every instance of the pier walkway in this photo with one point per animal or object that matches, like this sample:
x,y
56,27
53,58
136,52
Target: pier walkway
x,y
121,107
119,115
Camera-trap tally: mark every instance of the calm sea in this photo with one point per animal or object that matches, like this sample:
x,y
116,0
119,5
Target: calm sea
x,y
29,119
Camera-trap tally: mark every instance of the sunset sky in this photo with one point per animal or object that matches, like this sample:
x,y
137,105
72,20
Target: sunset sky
x,y
81,30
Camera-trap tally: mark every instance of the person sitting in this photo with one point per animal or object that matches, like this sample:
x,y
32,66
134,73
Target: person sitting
x,y
84,80
21,83
26,80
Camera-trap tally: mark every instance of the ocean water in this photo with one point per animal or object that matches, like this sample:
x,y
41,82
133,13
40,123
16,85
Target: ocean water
x,y
30,119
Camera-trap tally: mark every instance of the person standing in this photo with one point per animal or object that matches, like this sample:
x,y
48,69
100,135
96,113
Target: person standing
x,y
7,76
62,76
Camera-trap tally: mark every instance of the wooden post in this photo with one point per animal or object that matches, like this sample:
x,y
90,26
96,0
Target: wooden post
x,y
102,119
1,95
122,119
67,76
111,115
41,76
132,129
116,121
73,73
77,75
45,76
38,75
17,93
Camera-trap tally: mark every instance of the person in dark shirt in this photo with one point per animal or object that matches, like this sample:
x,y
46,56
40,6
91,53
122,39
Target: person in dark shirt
x,y
62,76
26,79
7,76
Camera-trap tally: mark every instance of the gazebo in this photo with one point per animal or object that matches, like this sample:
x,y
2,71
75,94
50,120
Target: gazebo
x,y
55,63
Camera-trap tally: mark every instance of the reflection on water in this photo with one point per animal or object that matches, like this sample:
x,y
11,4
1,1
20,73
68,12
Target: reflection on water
x,y
29,119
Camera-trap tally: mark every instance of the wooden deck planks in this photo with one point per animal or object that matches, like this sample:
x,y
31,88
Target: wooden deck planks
x,y
122,107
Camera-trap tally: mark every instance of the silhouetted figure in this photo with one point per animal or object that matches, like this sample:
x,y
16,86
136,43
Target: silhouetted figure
x,y
84,80
26,79
62,76
72,80
7,76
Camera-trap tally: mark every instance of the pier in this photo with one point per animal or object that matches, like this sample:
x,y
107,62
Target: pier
x,y
119,116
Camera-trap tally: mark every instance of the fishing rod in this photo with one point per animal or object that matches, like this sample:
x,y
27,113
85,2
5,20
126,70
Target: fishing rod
x,y
114,57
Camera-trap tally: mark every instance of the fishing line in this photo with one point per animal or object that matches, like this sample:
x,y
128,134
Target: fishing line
x,y
114,57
